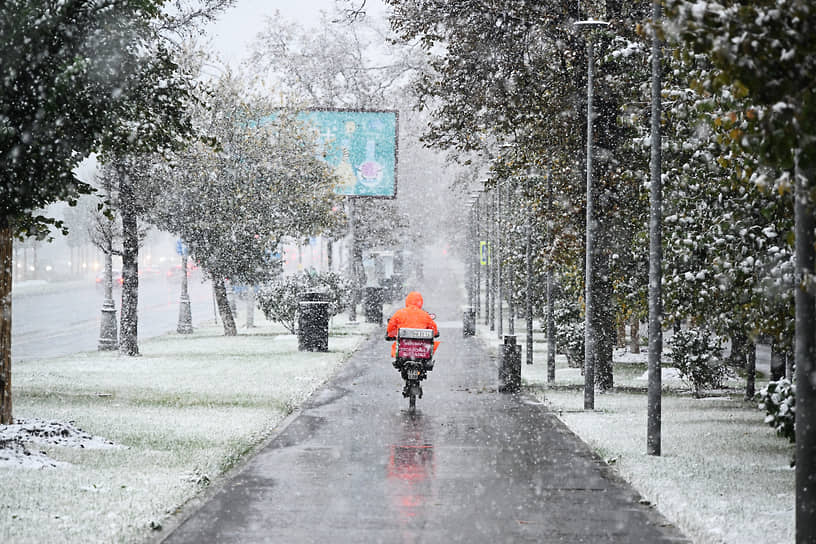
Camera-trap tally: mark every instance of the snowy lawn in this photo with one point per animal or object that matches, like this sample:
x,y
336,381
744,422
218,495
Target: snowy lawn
x,y
184,412
723,475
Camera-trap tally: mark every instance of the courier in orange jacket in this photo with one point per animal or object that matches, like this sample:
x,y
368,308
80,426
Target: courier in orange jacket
x,y
410,317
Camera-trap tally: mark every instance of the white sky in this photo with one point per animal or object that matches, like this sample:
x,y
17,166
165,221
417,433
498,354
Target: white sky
x,y
238,26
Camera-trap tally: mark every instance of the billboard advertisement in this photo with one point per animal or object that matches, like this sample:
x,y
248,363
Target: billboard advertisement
x,y
361,147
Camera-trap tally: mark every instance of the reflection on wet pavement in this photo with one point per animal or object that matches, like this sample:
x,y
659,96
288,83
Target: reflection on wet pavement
x,y
411,485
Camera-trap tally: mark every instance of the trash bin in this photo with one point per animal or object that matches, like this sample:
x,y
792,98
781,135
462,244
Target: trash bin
x,y
373,304
313,322
468,321
509,365
396,288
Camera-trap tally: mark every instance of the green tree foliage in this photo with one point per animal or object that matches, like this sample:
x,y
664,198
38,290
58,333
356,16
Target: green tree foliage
x,y
731,143
233,205
83,76
515,72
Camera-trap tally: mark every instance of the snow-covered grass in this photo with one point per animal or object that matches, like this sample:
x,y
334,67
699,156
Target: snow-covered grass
x,y
723,475
184,412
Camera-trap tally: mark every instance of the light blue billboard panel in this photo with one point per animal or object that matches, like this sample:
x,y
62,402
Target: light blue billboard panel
x,y
361,146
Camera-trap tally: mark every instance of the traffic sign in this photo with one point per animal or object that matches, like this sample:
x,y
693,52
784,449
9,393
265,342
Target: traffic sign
x,y
484,253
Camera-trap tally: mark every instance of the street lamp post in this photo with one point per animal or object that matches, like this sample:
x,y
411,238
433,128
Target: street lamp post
x,y
488,267
550,311
477,246
499,294
108,333
590,345
108,336
655,254
185,319
528,256
511,270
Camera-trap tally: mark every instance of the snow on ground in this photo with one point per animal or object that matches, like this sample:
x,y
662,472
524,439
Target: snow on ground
x,y
171,421
14,438
723,476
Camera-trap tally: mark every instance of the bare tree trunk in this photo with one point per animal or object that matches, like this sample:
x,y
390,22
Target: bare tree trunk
x,y
739,349
129,324
750,372
6,250
621,336
777,362
224,309
330,254
634,334
250,307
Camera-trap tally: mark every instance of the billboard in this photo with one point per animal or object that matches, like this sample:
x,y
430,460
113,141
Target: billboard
x,y
361,147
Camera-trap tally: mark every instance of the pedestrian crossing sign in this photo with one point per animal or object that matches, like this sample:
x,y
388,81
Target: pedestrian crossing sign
x,y
484,253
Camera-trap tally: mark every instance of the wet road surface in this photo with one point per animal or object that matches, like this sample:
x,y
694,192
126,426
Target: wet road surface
x,y
65,321
471,465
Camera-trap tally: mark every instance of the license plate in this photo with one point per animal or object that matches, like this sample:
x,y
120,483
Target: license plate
x,y
413,374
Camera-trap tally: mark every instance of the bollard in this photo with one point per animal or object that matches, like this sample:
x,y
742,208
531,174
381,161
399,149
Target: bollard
x,y
509,365
468,321
313,322
373,304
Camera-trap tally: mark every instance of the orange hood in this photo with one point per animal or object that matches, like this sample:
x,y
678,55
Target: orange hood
x,y
414,299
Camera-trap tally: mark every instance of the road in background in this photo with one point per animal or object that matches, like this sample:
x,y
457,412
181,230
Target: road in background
x,y
54,320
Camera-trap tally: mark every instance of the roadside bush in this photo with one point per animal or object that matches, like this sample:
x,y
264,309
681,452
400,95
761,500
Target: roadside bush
x,y
697,355
569,333
778,400
278,299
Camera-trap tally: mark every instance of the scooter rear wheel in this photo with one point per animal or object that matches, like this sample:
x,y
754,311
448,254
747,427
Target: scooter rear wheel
x,y
412,402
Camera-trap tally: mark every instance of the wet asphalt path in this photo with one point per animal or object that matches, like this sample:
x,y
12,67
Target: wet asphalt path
x,y
471,465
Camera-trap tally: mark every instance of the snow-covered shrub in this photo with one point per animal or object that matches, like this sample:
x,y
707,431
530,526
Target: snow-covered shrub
x,y
569,332
778,400
572,338
697,355
279,299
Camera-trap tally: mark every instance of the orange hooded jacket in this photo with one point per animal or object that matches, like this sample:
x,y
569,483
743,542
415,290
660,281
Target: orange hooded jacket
x,y
411,317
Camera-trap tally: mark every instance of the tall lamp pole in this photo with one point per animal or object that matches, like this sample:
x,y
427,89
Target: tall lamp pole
x,y
655,253
499,294
528,255
477,247
185,319
590,345
108,334
550,311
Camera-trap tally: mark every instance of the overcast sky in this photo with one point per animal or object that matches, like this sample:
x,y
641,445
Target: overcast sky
x,y
236,28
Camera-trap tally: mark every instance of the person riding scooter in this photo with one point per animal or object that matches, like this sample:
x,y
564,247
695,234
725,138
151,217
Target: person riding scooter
x,y
411,317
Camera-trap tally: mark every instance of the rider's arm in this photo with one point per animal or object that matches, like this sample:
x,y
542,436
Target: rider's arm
x,y
393,327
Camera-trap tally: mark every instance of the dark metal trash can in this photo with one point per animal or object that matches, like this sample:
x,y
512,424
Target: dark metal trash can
x,y
373,304
509,365
313,322
469,322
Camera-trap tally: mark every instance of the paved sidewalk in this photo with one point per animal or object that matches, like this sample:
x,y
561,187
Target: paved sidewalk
x,y
471,465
